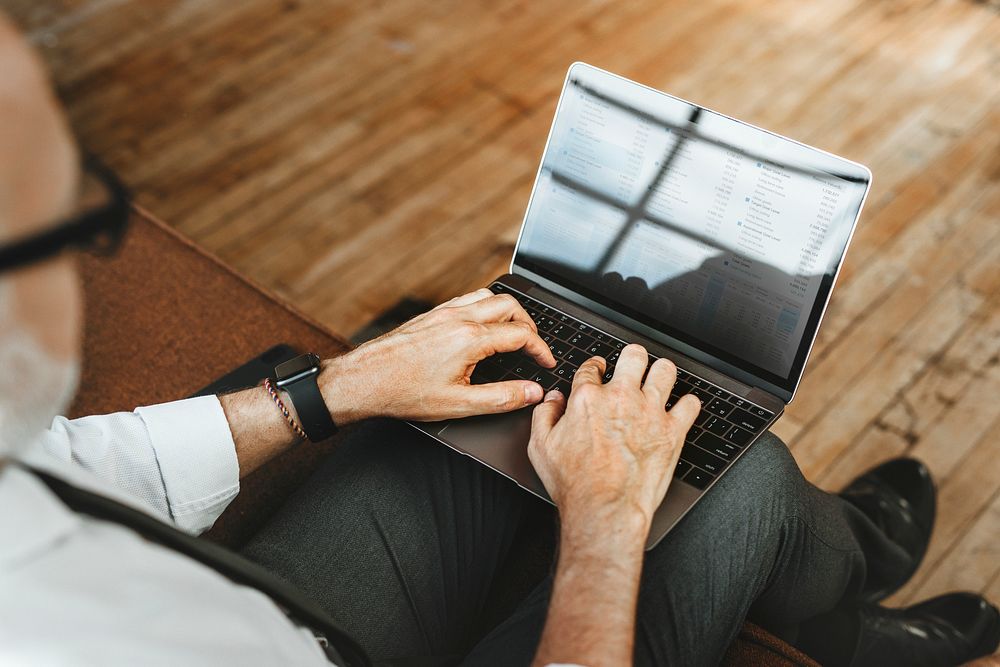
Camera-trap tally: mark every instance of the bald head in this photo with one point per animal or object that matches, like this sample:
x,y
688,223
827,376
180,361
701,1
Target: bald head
x,y
38,161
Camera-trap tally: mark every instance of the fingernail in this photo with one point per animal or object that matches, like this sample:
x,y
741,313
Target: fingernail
x,y
553,395
532,393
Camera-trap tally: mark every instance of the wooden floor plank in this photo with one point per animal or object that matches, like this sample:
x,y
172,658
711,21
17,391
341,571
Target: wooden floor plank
x,y
348,154
963,496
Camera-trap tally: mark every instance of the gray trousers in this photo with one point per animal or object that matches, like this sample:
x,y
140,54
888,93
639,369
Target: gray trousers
x,y
400,539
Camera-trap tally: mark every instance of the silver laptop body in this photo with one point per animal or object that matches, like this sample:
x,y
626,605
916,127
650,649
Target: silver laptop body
x,y
711,242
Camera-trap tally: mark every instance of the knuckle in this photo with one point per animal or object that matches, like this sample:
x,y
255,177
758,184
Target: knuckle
x,y
524,327
508,299
443,314
509,398
470,330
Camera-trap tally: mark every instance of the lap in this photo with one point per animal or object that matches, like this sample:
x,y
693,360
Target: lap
x,y
398,538
703,580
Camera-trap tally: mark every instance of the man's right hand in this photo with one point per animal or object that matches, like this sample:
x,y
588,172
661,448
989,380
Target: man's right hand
x,y
610,453
606,459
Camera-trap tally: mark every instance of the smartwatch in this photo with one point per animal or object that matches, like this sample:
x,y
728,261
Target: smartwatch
x,y
297,378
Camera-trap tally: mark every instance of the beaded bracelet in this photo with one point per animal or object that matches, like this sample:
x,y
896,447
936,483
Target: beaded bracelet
x,y
284,411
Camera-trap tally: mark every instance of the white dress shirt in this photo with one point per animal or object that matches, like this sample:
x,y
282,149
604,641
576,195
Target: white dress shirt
x,y
79,591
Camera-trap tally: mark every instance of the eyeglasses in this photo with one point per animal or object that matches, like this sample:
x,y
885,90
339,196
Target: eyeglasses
x,y
98,226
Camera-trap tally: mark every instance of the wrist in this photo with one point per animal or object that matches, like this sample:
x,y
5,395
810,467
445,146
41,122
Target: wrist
x,y
618,531
342,391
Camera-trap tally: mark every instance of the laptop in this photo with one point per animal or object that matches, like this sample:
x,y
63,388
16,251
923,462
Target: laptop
x,y
711,242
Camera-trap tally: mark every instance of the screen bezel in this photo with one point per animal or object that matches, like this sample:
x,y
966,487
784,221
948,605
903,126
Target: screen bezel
x,y
784,387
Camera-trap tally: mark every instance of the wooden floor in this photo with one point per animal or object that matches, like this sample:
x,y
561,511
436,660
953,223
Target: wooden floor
x,y
348,154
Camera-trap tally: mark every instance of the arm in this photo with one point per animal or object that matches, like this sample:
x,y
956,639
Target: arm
x,y
606,459
185,458
591,617
418,371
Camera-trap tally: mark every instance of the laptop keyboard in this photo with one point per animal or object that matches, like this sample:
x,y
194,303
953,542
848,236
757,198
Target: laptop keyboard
x,y
725,425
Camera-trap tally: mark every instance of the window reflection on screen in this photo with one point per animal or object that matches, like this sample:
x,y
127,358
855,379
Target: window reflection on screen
x,y
720,232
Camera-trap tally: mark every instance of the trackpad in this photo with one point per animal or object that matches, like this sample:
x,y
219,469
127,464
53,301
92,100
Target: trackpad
x,y
499,441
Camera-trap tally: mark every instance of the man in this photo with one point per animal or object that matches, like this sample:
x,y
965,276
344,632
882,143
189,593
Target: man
x,y
395,537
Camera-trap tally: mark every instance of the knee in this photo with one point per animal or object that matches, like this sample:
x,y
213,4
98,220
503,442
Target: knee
x,y
767,470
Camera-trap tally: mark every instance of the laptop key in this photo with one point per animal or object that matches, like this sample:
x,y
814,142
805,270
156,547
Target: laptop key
x,y
717,425
719,407
744,419
581,340
703,459
699,479
575,357
563,386
598,349
562,331
702,395
682,468
739,437
511,360
558,348
693,434
544,378
717,446
565,372
522,370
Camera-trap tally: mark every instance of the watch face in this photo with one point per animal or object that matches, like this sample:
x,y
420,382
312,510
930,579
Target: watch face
x,y
295,366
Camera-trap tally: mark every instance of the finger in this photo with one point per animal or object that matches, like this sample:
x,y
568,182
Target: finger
x,y
589,372
631,365
512,336
546,414
685,411
660,380
485,399
465,299
499,308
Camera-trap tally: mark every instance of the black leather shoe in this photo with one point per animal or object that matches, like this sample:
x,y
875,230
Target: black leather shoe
x,y
899,497
947,630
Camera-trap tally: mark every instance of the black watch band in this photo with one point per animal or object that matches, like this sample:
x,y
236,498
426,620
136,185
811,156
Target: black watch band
x,y
297,378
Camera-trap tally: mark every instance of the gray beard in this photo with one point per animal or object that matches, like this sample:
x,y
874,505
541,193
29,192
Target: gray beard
x,y
34,387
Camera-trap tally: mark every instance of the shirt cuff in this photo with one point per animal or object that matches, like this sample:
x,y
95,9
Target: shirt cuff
x,y
197,459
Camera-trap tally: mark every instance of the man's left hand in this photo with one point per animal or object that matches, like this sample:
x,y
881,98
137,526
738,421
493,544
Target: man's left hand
x,y
422,369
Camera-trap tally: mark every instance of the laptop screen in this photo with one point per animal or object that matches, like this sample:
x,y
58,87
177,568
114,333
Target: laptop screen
x,y
718,234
